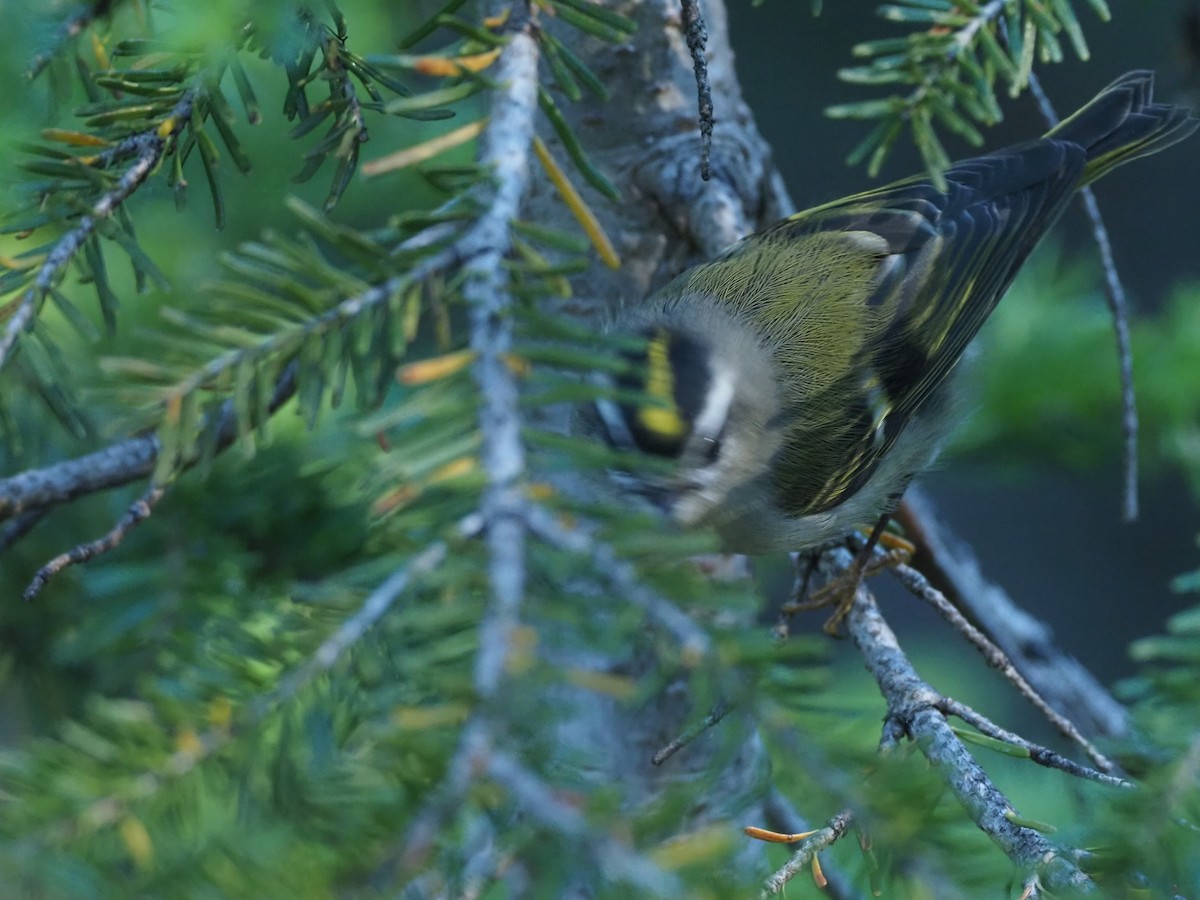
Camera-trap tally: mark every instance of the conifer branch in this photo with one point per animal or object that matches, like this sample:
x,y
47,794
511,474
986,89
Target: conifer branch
x,y
544,806
952,60
918,585
481,249
352,630
806,854
913,712
201,747
137,513
72,27
150,148
1043,756
505,148
1065,684
37,490
135,458
694,641
125,461
784,818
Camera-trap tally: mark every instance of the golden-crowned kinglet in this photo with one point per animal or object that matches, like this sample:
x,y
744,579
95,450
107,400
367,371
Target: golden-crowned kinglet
x,y
799,380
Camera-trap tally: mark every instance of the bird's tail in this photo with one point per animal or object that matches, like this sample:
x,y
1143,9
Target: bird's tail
x,y
1120,123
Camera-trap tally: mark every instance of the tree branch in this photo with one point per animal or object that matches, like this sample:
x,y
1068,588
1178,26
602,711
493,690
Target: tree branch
x,y
137,513
913,712
806,854
1059,678
540,803
692,638
697,39
783,817
72,27
153,146
918,585
505,147
37,490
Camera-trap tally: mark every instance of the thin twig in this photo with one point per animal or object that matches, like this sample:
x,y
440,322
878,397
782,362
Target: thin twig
x,y
918,585
71,242
623,577
125,461
809,848
135,458
718,713
913,707
696,34
1029,643
1043,756
279,342
543,805
32,494
69,29
783,817
351,631
1118,306
138,512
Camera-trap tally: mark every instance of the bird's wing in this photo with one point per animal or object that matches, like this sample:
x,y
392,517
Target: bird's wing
x,y
897,281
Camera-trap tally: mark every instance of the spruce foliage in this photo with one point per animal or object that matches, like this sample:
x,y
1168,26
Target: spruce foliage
x,y
371,628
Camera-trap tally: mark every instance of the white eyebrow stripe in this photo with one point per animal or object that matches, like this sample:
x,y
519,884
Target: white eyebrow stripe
x,y
716,405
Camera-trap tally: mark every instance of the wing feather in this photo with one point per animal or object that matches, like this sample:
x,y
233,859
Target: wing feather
x,y
906,275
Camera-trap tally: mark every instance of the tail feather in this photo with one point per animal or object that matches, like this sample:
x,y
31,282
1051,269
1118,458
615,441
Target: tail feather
x,y
1121,123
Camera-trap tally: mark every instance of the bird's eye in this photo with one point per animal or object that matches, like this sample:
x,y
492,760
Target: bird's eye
x,y
712,449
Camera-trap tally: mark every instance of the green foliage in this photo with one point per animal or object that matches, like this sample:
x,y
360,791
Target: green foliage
x,y
1053,328
151,105
333,307
1147,841
950,64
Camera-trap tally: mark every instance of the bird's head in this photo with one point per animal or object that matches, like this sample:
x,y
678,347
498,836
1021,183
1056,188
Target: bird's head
x,y
704,399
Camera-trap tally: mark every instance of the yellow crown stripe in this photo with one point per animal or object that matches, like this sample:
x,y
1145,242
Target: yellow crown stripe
x,y
660,384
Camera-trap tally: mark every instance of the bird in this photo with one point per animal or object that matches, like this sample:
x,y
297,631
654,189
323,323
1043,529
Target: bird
x,y
798,382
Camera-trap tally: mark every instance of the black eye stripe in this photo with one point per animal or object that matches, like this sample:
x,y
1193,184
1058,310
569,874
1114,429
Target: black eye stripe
x,y
675,368
692,365
712,451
